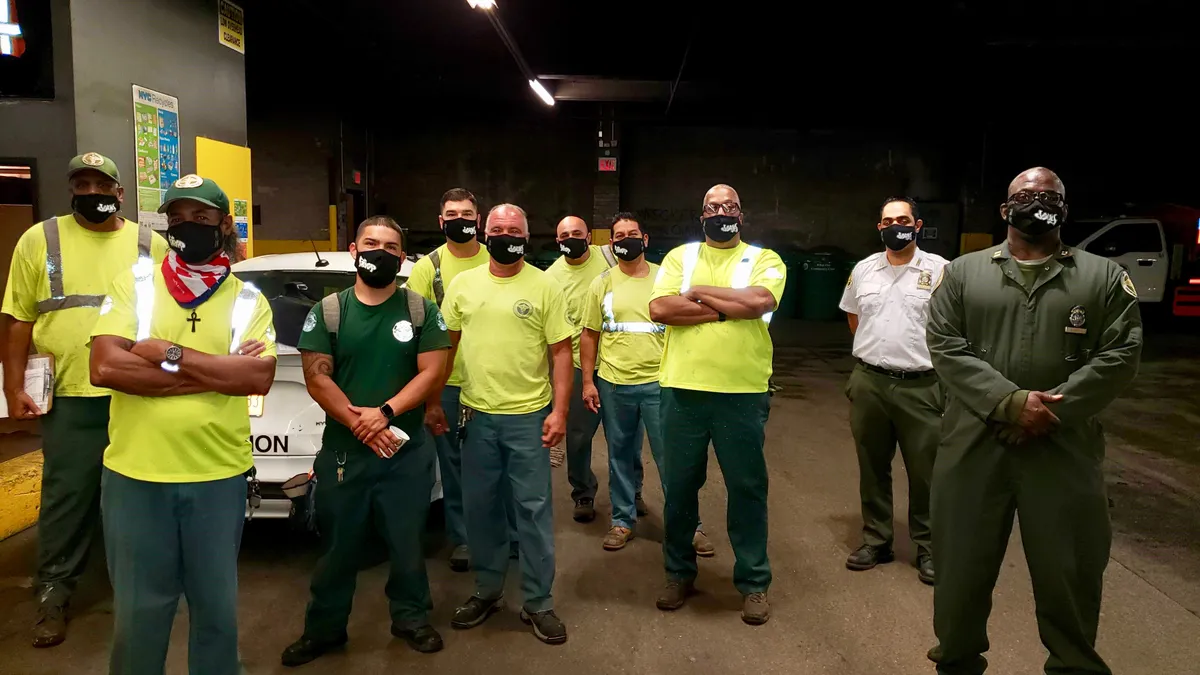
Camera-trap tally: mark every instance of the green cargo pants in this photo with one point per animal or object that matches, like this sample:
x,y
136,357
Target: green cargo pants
x,y
885,411
391,495
736,426
1056,487
74,437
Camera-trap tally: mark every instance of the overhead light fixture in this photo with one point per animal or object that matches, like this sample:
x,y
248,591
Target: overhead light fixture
x,y
541,92
482,4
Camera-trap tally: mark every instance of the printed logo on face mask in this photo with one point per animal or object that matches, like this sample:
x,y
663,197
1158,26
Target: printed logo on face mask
x,y
368,266
620,250
516,249
522,308
175,243
731,227
107,208
1046,217
469,230
906,236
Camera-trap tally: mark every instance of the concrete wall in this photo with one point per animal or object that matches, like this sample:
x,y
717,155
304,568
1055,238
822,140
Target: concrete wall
x,y
45,130
169,46
292,158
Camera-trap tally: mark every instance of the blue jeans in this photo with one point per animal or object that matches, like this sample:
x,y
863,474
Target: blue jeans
x,y
581,429
164,540
449,454
626,408
499,451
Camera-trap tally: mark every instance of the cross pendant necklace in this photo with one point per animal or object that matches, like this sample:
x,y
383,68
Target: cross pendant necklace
x,y
194,319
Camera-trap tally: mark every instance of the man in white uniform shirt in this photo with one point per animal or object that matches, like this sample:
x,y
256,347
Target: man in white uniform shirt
x,y
894,393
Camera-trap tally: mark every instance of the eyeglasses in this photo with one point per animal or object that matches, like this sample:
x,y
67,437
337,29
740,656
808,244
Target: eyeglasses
x,y
1028,196
730,208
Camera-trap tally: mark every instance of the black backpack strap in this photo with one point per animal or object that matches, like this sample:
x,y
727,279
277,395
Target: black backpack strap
x,y
439,291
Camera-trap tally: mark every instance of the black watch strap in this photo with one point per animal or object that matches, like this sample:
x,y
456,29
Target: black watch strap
x,y
720,316
387,411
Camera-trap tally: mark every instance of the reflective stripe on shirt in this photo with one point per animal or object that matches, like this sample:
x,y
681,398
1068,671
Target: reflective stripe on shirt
x,y
54,270
741,273
611,325
143,287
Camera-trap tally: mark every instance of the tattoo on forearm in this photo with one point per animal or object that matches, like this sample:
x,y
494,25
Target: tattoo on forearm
x,y
316,364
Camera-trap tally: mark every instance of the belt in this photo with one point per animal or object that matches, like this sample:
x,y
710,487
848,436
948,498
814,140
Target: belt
x,y
898,374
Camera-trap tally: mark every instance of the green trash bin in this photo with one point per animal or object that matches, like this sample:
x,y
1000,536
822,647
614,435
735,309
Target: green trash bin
x,y
822,280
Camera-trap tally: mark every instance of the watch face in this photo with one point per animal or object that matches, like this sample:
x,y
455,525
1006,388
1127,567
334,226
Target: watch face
x,y
174,353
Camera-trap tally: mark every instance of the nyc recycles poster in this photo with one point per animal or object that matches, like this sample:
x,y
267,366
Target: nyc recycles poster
x,y
156,143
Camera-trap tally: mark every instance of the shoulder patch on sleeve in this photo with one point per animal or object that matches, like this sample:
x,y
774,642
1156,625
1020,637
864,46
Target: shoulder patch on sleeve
x,y
941,275
850,280
1127,284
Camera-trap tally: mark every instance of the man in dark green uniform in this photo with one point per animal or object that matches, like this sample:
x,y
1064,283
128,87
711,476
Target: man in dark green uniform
x,y
372,354
1033,340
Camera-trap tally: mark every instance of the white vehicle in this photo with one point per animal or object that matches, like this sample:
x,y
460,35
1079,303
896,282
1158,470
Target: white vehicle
x,y
286,425
1137,244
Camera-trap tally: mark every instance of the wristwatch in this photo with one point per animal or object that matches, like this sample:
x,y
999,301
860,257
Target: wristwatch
x,y
387,411
720,316
173,356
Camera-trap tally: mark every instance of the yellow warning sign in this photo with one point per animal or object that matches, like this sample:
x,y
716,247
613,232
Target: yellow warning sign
x,y
232,27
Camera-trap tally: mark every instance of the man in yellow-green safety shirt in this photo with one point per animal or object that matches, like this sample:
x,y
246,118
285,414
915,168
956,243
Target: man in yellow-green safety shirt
x,y
716,298
181,344
61,271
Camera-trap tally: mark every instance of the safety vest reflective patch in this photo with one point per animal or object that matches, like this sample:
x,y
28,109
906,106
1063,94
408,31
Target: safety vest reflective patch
x,y
54,270
143,288
741,273
611,325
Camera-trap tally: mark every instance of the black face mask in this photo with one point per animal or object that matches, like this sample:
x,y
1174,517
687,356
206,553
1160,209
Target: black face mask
x,y
377,268
194,242
898,237
721,228
95,208
573,248
460,230
506,249
629,249
1036,218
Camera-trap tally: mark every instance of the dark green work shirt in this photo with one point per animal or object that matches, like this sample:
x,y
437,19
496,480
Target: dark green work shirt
x,y
1075,331
374,355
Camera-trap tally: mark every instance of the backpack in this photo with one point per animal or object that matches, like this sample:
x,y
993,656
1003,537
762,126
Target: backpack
x,y
331,311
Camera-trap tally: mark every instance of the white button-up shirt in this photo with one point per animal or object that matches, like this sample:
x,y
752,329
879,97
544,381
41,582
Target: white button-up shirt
x,y
892,304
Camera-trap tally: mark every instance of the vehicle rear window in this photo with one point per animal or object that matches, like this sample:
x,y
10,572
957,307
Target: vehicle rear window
x,y
293,293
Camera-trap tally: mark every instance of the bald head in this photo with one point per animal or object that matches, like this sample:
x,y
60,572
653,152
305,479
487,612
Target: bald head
x,y
720,194
1037,179
572,227
507,219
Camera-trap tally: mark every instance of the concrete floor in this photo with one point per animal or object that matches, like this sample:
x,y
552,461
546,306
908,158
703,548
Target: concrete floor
x,y
825,619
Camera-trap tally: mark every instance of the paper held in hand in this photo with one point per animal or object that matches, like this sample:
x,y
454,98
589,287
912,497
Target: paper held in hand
x,y
39,382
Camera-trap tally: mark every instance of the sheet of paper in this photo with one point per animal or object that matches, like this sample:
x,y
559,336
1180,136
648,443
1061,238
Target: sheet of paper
x,y
39,383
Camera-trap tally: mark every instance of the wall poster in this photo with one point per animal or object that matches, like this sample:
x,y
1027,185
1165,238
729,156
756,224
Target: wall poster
x,y
156,145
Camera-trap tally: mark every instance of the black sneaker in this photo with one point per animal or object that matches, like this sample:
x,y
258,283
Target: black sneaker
x,y
460,558
546,626
868,556
585,510
305,650
424,639
474,612
640,505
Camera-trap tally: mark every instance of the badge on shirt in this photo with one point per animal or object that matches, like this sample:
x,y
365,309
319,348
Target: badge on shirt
x,y
402,331
1077,318
310,322
925,281
523,309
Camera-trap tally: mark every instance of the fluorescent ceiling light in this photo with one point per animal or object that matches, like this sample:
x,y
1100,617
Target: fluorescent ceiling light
x,y
482,4
11,29
541,92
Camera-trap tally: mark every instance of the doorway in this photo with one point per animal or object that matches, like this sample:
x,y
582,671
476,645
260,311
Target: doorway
x,y
18,207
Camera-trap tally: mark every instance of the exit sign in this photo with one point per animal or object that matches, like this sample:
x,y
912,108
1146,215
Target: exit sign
x,y
608,163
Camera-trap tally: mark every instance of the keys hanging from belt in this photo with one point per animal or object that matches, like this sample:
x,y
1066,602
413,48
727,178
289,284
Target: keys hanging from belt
x,y
341,465
465,415
253,492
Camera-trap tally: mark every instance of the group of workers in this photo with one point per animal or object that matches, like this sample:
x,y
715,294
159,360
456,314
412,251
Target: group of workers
x,y
989,373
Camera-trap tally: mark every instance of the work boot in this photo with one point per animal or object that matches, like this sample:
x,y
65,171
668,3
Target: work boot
x,y
424,639
585,510
50,628
925,568
640,505
616,538
546,626
702,545
755,609
305,650
674,594
868,556
460,558
474,612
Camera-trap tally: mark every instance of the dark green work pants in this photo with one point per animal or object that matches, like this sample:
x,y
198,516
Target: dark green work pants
x,y
391,495
1056,487
736,426
74,437
884,412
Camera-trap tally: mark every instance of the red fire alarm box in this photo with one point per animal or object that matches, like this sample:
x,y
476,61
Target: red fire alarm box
x,y
608,163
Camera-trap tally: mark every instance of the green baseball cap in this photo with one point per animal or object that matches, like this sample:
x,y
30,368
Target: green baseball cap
x,y
94,161
196,188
